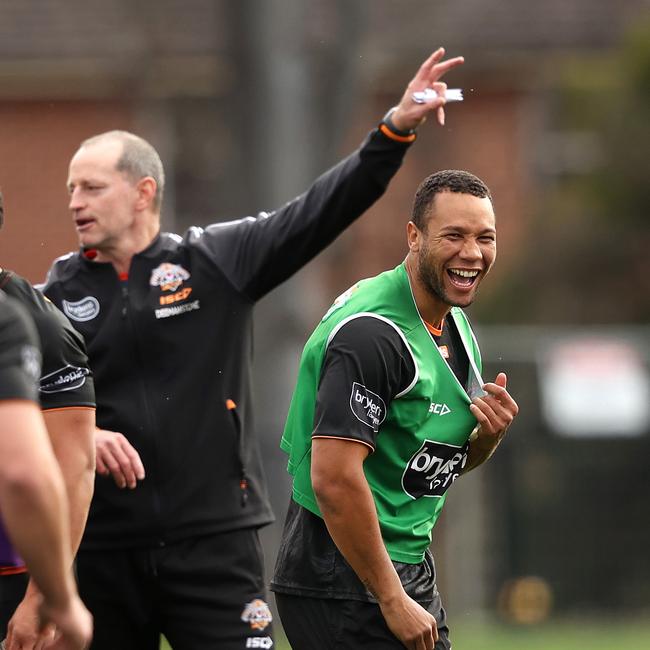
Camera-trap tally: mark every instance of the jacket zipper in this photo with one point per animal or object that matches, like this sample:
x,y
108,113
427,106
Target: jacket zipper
x,y
145,400
243,477
125,298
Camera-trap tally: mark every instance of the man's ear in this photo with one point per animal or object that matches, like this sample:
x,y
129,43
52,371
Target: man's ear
x,y
413,237
146,188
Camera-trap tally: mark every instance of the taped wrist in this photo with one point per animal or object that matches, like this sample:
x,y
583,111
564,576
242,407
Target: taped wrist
x,y
388,128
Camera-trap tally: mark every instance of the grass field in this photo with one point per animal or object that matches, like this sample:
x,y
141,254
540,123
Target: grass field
x,y
588,634
575,635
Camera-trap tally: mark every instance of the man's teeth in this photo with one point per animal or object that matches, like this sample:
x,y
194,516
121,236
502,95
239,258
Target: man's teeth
x,y
464,274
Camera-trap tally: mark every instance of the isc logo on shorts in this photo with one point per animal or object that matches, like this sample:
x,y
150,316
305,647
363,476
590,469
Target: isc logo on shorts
x,y
259,642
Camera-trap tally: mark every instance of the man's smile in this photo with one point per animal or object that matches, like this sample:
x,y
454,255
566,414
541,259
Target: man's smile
x,y
463,278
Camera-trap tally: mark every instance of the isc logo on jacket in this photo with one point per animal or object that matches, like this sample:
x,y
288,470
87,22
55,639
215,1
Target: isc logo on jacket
x,y
169,277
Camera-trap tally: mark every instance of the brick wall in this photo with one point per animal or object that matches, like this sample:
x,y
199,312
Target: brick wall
x,y
37,140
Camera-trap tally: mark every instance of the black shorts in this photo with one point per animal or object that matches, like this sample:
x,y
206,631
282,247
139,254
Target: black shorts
x,y
202,593
12,590
327,623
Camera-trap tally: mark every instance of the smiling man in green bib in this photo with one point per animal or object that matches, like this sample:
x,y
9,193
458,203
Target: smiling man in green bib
x,y
389,409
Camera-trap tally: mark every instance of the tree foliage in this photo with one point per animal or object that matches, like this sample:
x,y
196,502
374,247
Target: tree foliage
x,y
587,254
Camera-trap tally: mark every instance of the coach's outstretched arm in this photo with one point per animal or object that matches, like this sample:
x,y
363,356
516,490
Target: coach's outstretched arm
x,y
257,254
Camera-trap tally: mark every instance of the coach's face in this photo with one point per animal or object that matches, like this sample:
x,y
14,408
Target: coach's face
x,y
457,248
102,199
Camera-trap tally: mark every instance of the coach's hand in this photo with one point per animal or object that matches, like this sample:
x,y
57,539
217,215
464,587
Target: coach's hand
x,y
117,457
410,622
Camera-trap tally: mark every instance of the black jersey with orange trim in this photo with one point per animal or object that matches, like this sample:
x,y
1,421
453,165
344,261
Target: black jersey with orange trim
x,y
66,380
367,351
20,367
170,345
20,356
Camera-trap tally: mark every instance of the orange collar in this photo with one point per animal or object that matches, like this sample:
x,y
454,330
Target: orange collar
x,y
434,330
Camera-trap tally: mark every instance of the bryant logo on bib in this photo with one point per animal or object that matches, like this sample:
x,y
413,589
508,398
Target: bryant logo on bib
x,y
367,406
168,276
433,468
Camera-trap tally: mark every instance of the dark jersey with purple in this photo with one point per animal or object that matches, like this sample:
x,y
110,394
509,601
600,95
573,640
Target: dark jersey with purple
x,y
20,368
66,380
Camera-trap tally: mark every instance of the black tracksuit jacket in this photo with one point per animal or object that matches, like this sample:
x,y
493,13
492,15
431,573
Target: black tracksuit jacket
x,y
172,344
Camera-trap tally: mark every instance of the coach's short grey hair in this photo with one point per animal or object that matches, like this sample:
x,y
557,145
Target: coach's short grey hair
x,y
138,159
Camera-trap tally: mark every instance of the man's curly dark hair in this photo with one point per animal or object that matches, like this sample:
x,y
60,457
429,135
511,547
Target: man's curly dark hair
x,y
448,180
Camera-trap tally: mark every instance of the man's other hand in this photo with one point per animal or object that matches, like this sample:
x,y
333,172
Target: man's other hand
x,y
410,623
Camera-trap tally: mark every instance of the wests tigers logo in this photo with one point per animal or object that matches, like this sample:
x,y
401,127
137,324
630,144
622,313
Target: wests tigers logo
x,y
257,614
168,276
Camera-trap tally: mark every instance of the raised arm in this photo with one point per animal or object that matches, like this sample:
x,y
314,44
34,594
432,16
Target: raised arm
x,y
258,253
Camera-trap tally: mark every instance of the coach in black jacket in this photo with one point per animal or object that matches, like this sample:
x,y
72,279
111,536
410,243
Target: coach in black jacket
x,y
167,321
